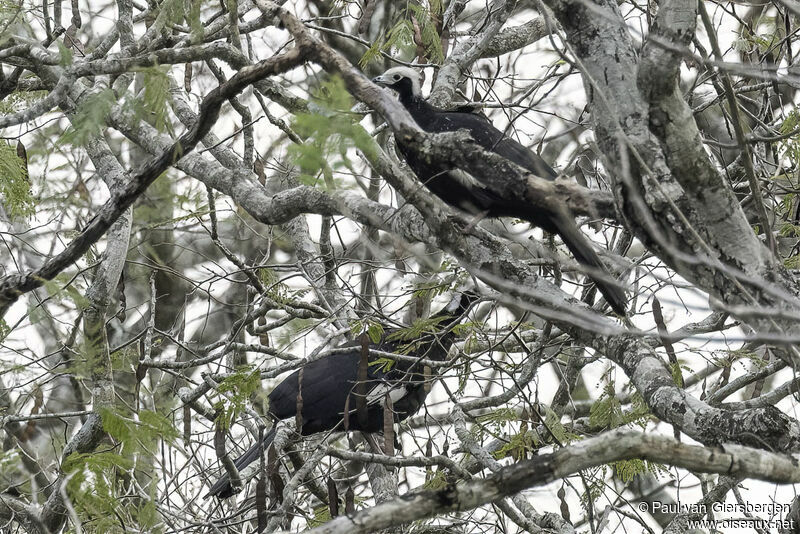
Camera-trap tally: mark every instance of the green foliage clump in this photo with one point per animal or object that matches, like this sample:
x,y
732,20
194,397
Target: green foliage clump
x,y
92,481
427,19
322,514
62,287
554,429
65,54
373,329
607,411
402,33
436,481
155,104
89,119
15,188
19,100
790,146
789,230
384,365
675,370
791,122
329,133
276,289
99,483
10,13
180,11
140,435
494,421
430,290
518,446
4,329
287,336
416,334
626,470
792,262
465,370
417,329
236,389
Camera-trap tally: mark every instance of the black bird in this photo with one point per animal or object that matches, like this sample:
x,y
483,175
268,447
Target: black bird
x,y
330,386
464,192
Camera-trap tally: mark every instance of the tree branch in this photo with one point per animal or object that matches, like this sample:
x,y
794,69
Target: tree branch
x,y
614,446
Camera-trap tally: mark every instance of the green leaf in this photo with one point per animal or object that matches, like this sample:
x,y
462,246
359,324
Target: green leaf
x,y
626,470
430,37
153,107
15,188
401,33
157,425
138,435
234,393
148,516
516,447
10,13
329,132
156,96
554,426
375,332
606,412
789,230
89,119
792,262
384,365
65,54
195,24
115,425
417,329
91,485
791,122
437,481
372,53
322,514
61,288
499,416
4,330
416,334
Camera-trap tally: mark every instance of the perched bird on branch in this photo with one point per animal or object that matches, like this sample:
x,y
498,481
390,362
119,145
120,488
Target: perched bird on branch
x,y
467,193
348,389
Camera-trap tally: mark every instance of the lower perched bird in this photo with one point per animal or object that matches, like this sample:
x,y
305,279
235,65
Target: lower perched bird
x,y
330,388
472,196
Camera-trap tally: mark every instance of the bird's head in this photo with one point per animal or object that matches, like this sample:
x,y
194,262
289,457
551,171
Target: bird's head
x,y
404,80
460,303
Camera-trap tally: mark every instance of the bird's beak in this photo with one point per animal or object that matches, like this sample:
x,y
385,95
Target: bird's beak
x,y
380,80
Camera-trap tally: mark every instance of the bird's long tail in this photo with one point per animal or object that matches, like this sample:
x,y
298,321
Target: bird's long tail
x,y
583,251
222,488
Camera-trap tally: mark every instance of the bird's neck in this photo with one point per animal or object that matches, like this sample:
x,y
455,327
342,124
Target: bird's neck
x,y
419,109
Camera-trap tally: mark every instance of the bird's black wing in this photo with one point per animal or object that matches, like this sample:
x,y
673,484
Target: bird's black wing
x,y
552,219
524,157
492,139
327,384
470,109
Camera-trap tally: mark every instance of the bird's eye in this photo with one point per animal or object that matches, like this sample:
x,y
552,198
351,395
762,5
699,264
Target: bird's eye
x,y
396,77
